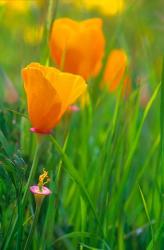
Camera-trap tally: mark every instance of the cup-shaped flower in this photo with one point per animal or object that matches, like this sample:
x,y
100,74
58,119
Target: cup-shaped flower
x,y
78,47
40,191
49,94
115,70
36,191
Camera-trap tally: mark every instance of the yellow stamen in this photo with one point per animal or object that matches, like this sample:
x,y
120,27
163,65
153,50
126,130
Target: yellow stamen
x,y
43,179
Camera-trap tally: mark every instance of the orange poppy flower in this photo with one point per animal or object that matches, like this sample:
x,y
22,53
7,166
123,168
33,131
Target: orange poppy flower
x,y
49,93
115,70
78,47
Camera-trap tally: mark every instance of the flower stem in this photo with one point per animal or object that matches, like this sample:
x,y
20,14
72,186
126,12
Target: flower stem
x,y
32,173
38,206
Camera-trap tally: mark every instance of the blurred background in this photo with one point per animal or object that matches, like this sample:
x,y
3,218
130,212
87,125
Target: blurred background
x,y
136,26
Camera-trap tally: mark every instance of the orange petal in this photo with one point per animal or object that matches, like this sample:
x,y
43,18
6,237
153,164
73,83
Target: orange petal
x,y
49,93
68,86
115,68
78,47
44,104
97,22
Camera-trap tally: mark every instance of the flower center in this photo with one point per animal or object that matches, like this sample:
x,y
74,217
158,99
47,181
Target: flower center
x,y
43,179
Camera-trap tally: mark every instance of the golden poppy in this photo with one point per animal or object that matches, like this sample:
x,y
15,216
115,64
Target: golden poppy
x,y
78,47
49,93
115,70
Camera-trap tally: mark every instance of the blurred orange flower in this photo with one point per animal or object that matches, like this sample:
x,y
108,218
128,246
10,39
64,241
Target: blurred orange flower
x,y
78,47
115,71
49,93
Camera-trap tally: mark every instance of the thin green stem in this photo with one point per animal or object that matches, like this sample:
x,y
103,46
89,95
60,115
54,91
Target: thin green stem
x,y
38,206
51,13
32,173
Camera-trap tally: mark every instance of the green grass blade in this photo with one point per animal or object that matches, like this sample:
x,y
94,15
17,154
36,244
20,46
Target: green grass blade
x,y
82,235
162,123
147,212
132,152
74,174
157,237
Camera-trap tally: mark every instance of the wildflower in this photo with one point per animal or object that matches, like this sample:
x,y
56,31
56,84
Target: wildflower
x,y
78,47
40,191
115,70
49,94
